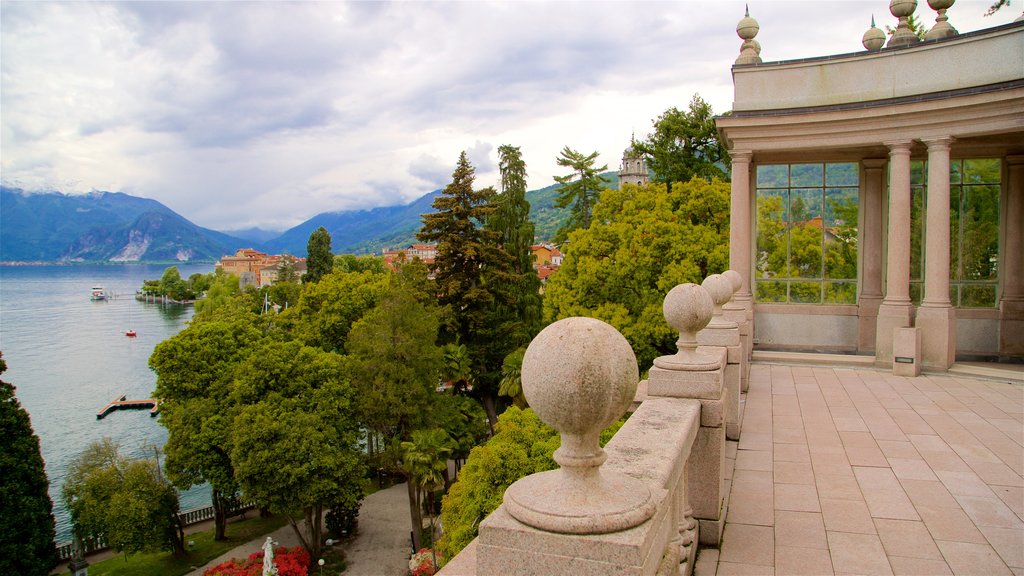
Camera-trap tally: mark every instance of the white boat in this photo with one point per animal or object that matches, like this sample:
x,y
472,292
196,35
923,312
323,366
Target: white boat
x,y
99,293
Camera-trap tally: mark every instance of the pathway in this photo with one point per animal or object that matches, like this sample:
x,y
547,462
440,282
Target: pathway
x,y
857,471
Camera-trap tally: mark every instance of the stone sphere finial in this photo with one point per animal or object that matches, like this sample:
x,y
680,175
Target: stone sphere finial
x,y
942,27
747,29
903,36
579,375
874,38
688,308
720,289
734,279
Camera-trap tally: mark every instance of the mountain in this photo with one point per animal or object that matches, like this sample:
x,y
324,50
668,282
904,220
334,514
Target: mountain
x,y
257,235
101,226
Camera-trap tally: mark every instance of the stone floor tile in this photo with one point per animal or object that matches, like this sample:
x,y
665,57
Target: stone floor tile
x,y
787,421
929,443
753,460
793,473
730,448
738,569
907,538
746,544
929,493
989,512
855,424
910,422
707,562
1012,496
892,504
835,464
759,481
996,473
802,561
876,478
839,487
857,554
1007,542
964,484
911,469
950,524
750,440
785,405
796,497
799,530
918,567
847,516
755,508
847,412
969,559
898,449
821,442
946,461
790,453
789,436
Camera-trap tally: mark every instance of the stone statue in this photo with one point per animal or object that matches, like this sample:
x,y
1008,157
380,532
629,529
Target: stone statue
x,y
268,558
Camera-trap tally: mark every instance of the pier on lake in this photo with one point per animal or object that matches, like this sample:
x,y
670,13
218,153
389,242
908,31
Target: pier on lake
x,y
121,403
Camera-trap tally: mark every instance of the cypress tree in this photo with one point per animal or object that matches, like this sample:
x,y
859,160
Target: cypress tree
x,y
319,258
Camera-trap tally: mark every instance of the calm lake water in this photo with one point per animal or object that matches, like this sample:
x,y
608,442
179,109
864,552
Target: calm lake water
x,y
68,356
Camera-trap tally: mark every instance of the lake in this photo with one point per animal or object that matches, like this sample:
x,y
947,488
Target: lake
x,y
68,356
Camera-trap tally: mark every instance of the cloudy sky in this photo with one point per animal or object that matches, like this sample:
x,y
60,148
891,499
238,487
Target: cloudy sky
x,y
240,114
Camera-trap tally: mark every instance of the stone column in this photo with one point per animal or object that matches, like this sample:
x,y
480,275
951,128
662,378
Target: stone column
x,y
741,234
936,317
697,373
896,311
1011,302
870,255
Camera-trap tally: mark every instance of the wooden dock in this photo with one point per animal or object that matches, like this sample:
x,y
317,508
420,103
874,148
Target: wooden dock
x,y
121,403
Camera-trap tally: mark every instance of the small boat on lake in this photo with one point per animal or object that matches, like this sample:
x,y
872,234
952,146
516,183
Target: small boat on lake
x,y
98,293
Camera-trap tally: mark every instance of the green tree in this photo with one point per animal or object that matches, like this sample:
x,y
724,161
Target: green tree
x,y
327,309
425,460
319,259
393,361
580,189
286,288
173,286
295,438
456,367
26,524
195,376
643,242
685,145
511,377
223,288
996,6
127,501
469,270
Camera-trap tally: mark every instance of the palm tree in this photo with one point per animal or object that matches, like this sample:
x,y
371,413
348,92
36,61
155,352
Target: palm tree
x,y
511,378
425,460
456,368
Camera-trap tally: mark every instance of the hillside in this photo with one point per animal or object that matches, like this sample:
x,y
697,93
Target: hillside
x,y
101,226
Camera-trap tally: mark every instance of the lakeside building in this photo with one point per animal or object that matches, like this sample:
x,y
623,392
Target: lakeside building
x,y
257,269
911,156
425,252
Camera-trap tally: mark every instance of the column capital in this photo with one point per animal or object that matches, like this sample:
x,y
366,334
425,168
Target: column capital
x,y
874,163
938,143
899,146
741,155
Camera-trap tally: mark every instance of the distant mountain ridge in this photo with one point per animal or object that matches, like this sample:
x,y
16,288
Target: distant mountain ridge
x,y
117,227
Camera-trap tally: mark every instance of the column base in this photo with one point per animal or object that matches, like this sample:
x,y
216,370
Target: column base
x,y
867,320
890,316
938,336
1011,328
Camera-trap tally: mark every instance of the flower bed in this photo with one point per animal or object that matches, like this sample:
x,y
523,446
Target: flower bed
x,y
293,562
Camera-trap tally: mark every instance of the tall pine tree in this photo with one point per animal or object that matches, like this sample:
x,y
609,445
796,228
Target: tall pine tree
x,y
580,189
469,268
319,258
26,511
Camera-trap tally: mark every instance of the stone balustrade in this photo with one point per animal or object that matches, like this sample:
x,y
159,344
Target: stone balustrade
x,y
643,503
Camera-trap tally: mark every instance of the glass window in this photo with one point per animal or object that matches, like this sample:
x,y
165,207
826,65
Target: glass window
x,y
807,233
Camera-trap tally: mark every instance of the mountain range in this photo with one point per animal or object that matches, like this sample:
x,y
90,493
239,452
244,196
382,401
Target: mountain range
x,y
117,227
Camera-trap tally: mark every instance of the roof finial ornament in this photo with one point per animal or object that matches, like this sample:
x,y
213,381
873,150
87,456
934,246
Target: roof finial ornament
x,y
903,36
874,38
942,27
747,29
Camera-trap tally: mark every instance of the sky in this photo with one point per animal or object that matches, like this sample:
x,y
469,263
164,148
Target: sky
x,y
264,114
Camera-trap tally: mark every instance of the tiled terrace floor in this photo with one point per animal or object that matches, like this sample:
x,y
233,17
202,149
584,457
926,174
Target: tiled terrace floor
x,y
857,471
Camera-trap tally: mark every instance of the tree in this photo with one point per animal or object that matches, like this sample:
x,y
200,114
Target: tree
x,y
393,361
470,269
580,189
223,288
27,524
685,145
425,460
319,259
996,6
643,242
126,501
286,288
173,286
295,438
327,309
195,376
511,377
456,369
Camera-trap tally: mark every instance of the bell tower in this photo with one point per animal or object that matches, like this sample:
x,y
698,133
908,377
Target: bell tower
x,y
634,167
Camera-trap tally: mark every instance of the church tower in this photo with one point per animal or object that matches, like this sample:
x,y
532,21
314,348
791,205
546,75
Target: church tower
x,y
634,167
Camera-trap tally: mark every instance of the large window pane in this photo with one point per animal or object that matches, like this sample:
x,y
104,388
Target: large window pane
x,y
806,175
773,176
772,233
980,240
844,174
841,233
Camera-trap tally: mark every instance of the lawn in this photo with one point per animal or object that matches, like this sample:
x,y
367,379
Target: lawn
x,y
204,550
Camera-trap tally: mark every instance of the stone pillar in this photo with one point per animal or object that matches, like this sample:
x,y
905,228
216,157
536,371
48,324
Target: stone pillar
x,y
735,313
936,317
724,334
1011,301
741,235
896,311
870,253
697,373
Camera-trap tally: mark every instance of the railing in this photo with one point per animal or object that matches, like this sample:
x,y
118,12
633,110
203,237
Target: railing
x,y
660,490
66,550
